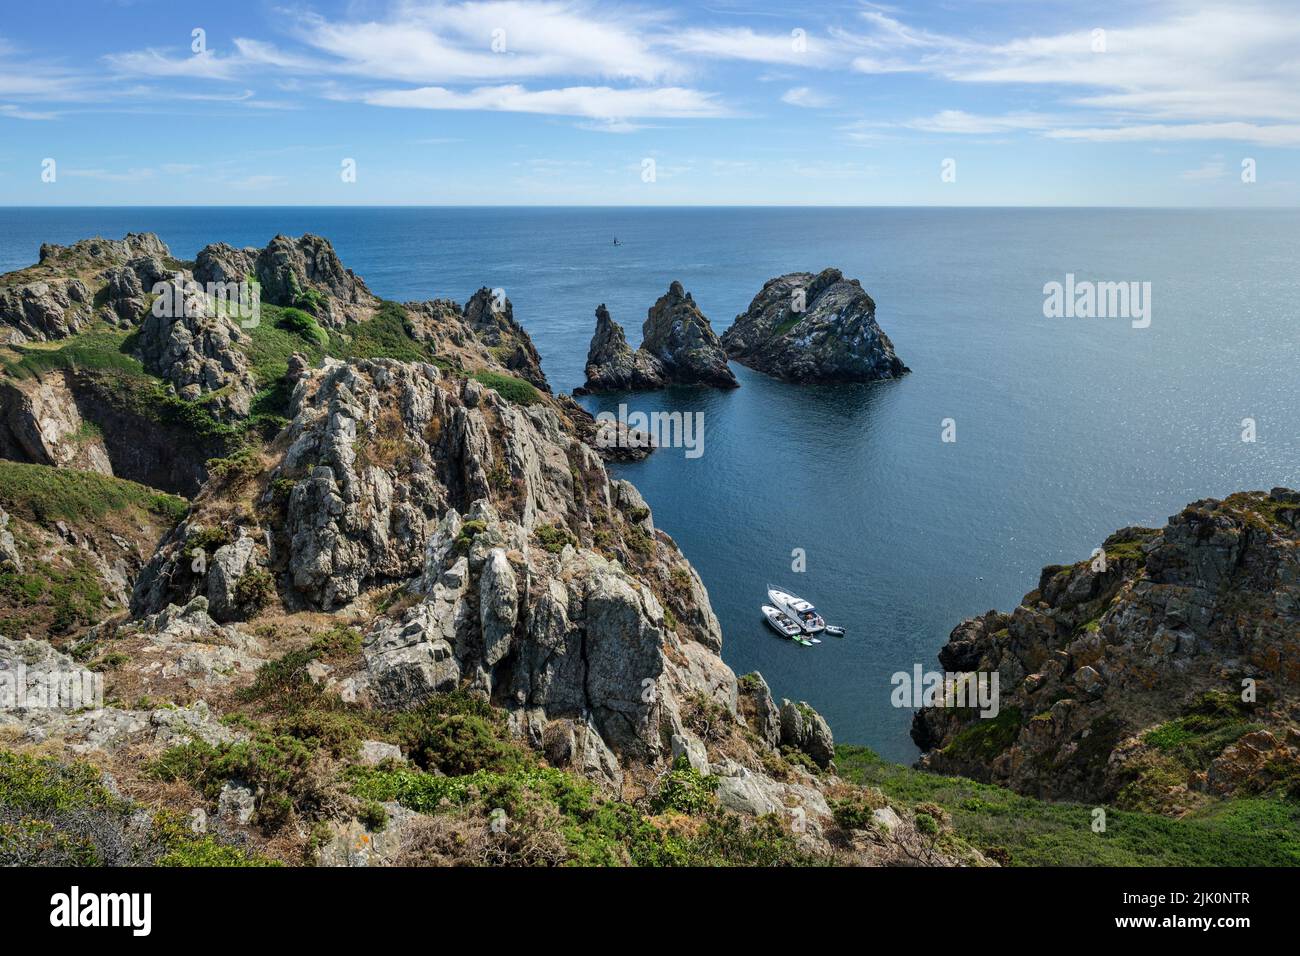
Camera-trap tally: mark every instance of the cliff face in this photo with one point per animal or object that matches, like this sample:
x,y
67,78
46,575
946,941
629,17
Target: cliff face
x,y
813,328
1161,680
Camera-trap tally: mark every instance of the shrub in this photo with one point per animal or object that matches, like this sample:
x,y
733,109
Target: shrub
x,y
468,532
254,590
458,734
236,470
512,389
553,538
685,790
57,814
276,766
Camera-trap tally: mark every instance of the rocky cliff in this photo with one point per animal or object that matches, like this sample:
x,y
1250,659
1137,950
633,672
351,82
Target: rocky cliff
x,y
407,616
72,286
1158,674
803,327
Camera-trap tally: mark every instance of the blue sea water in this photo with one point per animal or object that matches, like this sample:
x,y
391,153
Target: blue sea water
x,y
1066,428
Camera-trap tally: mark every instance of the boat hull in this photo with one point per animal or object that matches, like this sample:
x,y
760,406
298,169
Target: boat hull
x,y
783,601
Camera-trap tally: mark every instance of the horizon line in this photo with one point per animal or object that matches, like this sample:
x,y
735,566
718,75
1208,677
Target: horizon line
x,y
1240,208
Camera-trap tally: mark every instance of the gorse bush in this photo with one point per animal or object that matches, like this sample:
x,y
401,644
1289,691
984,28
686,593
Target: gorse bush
x,y
685,790
60,814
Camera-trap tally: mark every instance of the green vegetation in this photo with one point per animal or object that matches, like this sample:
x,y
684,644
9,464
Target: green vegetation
x,y
464,770
59,594
95,350
784,327
1241,832
468,532
985,738
685,790
386,335
45,494
255,590
553,538
1190,743
457,735
44,596
57,814
560,811
508,387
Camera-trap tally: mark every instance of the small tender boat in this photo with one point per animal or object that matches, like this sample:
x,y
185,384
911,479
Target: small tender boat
x,y
784,626
834,630
803,613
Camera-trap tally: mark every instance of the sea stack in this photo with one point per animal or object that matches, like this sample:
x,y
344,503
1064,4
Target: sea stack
x,y
677,333
613,366
678,347
813,328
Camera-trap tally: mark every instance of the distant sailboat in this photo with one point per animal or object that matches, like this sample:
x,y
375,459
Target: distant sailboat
x,y
616,242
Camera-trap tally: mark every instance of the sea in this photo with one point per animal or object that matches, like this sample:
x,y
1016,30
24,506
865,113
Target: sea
x,y
1019,439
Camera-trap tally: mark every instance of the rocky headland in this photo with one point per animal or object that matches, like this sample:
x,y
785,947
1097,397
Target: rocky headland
x,y
1160,674
803,327
402,614
358,589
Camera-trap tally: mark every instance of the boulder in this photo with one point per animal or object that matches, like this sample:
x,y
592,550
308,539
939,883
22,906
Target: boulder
x,y
804,729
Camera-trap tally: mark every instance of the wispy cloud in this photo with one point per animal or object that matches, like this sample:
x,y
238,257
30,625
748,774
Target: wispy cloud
x,y
1274,134
805,96
1216,62
17,112
794,48
594,102
958,121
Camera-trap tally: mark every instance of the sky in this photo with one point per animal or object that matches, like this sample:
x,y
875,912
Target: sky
x,y
551,102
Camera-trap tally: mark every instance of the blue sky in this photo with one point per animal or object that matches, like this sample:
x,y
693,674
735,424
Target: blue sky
x,y
553,102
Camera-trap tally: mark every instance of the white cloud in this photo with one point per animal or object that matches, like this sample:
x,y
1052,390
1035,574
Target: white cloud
x,y
151,62
593,102
18,112
742,43
1277,134
957,121
446,43
806,97
1196,65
